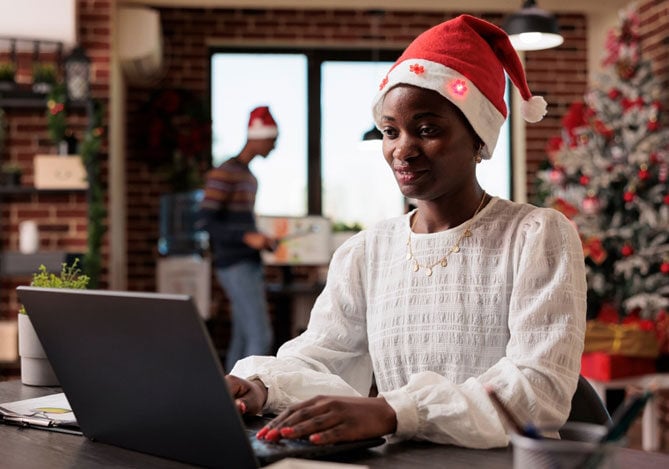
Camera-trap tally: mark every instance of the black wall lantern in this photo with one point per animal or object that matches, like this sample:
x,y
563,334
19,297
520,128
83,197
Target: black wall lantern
x,y
77,76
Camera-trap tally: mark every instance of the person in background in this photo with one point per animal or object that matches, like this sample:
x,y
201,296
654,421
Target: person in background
x,y
227,214
465,293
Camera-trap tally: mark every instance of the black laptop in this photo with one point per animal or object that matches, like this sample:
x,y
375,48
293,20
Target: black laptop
x,y
140,372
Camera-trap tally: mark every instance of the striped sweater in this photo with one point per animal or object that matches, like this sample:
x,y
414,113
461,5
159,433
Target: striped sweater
x,y
227,212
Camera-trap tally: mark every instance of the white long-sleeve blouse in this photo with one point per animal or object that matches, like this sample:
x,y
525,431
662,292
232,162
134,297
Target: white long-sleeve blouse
x,y
507,311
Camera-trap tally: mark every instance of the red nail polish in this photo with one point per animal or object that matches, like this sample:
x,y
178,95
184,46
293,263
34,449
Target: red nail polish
x,y
273,435
315,438
262,432
287,432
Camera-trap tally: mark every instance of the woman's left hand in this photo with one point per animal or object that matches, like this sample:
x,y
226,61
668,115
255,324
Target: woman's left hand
x,y
332,419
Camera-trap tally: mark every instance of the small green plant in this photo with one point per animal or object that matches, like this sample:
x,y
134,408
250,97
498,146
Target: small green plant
x,y
7,71
339,226
10,168
70,277
44,73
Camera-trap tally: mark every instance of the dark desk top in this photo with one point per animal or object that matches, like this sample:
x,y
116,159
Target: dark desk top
x,y
30,448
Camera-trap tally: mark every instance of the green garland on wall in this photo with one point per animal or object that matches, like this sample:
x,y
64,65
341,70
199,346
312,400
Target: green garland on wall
x,y
89,149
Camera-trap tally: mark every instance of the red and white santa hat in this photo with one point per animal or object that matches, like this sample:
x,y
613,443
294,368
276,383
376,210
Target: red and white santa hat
x,y
464,60
261,124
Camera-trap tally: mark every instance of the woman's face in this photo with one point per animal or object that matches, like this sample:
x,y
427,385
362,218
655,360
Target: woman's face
x,y
427,143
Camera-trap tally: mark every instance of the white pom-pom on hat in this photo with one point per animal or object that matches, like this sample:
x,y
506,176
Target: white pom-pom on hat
x,y
534,109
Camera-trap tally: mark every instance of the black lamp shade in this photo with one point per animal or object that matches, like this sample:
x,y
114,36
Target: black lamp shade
x,y
372,134
77,73
532,28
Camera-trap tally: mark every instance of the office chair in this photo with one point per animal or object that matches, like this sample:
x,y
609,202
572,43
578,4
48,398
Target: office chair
x,y
587,406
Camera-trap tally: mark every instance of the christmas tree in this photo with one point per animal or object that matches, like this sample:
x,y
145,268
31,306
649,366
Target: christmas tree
x,y
607,172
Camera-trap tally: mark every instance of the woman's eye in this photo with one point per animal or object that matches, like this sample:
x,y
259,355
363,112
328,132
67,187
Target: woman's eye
x,y
427,130
389,132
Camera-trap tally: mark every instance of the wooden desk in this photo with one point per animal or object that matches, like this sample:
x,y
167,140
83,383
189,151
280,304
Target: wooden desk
x,y
30,448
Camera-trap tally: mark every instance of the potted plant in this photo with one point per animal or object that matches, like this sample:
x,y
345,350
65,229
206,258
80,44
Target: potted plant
x,y
44,77
7,73
10,175
35,367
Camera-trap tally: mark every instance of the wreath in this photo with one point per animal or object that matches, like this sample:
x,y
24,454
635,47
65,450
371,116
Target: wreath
x,y
178,137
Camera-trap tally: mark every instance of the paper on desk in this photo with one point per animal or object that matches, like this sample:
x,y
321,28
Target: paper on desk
x,y
293,463
54,407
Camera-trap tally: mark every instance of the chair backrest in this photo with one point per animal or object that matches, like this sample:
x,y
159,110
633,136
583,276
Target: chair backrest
x,y
587,406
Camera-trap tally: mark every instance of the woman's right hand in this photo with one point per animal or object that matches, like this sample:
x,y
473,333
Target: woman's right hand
x,y
249,395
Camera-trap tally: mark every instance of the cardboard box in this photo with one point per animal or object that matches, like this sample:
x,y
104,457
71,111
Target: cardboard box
x,y
59,172
605,367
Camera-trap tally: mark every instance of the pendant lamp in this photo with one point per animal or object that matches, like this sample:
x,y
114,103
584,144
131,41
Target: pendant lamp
x,y
372,134
532,28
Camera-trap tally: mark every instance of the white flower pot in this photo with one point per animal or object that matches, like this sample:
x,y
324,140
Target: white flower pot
x,y
35,367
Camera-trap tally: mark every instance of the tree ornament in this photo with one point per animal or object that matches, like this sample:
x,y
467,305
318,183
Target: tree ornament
x,y
627,250
643,173
584,180
664,267
557,176
628,196
617,153
591,205
662,173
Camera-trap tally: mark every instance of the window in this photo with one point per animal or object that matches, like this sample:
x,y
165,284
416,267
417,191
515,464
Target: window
x,y
240,82
321,101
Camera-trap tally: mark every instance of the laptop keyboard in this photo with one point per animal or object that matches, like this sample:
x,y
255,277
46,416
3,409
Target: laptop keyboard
x,y
267,450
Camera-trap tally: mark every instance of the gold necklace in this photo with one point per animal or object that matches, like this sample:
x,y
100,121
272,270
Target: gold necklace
x,y
455,248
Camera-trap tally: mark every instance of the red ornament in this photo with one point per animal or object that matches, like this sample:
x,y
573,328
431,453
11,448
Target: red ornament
x,y
664,267
666,199
627,250
556,176
614,93
590,205
628,196
643,174
653,125
584,180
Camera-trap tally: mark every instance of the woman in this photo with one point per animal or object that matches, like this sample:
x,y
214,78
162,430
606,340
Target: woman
x,y
466,292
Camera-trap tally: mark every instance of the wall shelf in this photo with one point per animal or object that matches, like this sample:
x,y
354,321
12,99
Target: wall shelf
x,y
23,97
29,190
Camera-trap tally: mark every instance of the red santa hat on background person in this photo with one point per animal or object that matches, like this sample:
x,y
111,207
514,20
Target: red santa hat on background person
x,y
261,124
464,60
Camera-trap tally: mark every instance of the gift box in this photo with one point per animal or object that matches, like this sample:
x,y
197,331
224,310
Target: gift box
x,y
605,367
628,340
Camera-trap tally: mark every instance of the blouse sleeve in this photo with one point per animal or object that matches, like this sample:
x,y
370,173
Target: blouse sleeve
x,y
331,356
538,374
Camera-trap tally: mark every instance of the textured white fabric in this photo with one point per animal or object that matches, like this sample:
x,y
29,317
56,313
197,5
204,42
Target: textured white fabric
x,y
508,311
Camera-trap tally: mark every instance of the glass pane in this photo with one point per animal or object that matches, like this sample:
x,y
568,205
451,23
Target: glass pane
x,y
358,185
241,82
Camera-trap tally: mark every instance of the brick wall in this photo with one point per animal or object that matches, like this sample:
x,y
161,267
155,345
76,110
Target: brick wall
x,y
62,218
654,31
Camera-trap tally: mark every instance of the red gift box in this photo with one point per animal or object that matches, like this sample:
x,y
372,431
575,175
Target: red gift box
x,y
605,367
